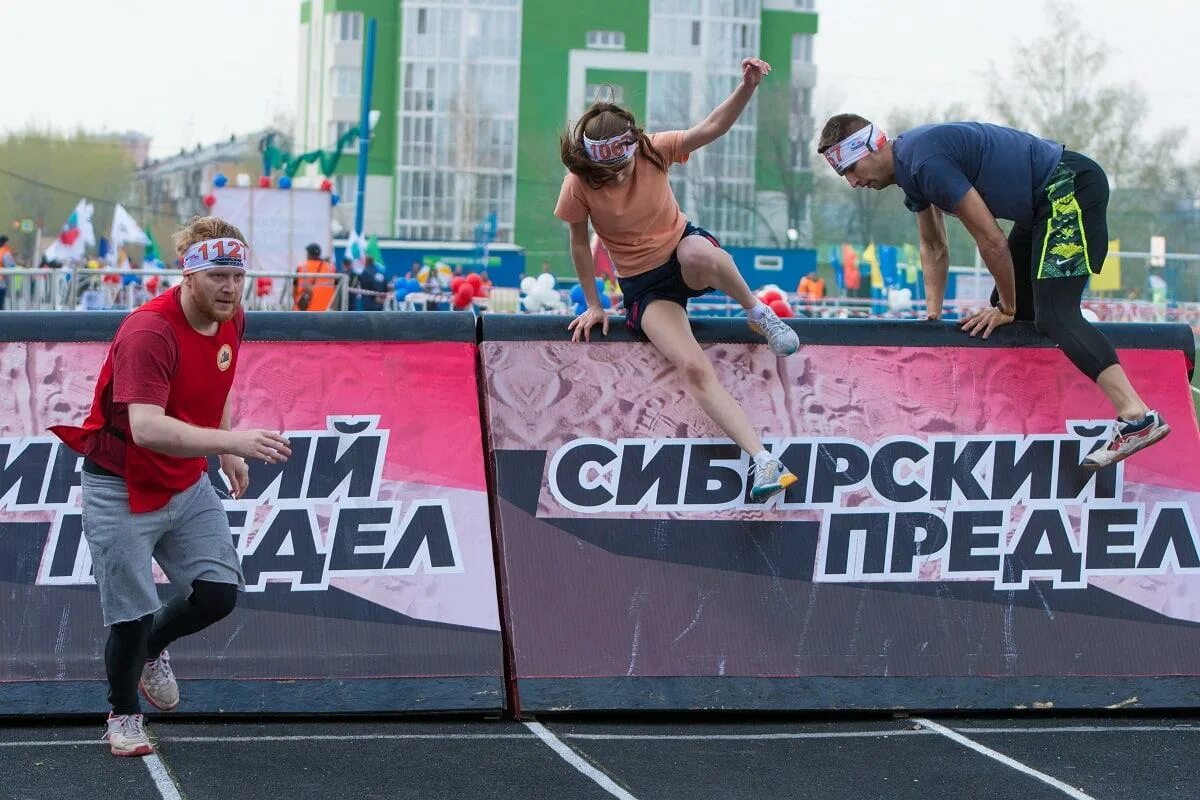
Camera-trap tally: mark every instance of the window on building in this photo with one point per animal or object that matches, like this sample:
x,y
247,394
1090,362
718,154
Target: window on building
x,y
346,187
348,26
599,92
606,40
346,82
802,44
805,5
337,129
696,33
422,21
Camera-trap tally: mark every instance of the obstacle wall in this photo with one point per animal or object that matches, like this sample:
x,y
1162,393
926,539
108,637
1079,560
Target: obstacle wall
x,y
368,557
942,548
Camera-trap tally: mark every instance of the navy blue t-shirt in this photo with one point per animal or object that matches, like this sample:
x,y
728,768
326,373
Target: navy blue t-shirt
x,y
938,164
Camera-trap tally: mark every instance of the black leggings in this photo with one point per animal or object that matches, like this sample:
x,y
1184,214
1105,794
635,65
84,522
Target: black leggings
x,y
1053,261
131,643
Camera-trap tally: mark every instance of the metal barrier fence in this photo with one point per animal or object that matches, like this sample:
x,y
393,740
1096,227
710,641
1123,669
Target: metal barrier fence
x,y
83,289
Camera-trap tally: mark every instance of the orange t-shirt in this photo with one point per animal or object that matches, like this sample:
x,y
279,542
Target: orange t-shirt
x,y
639,221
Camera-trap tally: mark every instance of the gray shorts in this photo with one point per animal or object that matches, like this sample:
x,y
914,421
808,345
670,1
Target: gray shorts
x,y
189,537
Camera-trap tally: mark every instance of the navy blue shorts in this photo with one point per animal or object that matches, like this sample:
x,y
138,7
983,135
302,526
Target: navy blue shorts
x,y
661,283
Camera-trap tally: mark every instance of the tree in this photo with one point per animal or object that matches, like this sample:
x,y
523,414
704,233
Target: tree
x,y
44,174
1056,87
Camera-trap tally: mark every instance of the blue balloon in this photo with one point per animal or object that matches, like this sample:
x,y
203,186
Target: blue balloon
x,y
605,301
220,180
414,285
577,293
334,199
401,293
285,182
600,285
580,307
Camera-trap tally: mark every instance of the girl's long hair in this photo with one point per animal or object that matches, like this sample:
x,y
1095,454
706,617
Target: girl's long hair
x,y
602,121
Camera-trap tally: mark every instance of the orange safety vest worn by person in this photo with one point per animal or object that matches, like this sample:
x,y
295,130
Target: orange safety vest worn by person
x,y
812,287
314,294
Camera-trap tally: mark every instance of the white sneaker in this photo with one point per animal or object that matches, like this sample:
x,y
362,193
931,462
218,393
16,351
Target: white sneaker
x,y
770,478
782,340
126,735
158,683
1126,439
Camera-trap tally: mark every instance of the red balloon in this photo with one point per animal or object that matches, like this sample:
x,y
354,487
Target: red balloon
x,y
455,282
770,296
462,297
781,308
264,182
152,284
210,200
326,185
475,281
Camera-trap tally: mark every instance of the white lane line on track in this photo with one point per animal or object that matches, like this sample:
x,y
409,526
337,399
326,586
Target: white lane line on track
x,y
575,760
162,779
1087,729
296,738
971,744
722,737
635,736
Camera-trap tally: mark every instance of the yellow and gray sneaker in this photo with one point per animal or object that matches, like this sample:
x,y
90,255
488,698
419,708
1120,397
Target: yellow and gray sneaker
x,y
770,478
782,340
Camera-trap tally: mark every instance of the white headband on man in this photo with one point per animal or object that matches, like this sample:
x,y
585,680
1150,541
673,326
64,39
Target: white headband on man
x,y
612,150
215,253
855,148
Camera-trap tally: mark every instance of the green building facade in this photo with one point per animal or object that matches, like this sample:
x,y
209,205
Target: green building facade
x,y
473,95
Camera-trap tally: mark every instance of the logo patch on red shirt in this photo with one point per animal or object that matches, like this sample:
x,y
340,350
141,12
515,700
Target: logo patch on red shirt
x,y
224,357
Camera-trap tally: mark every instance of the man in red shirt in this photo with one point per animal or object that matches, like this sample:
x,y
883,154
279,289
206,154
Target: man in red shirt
x,y
161,407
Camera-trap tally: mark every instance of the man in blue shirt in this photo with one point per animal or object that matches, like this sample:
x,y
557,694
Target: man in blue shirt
x,y
1057,201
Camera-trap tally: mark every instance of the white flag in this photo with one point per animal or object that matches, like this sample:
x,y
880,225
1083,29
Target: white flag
x,y
125,230
83,218
356,248
76,236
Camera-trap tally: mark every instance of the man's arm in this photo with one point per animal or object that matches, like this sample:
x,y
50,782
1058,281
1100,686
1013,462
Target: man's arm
x,y
154,430
935,258
993,247
717,123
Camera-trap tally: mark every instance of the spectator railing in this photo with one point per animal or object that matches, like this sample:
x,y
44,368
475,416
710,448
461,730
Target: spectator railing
x,y
84,289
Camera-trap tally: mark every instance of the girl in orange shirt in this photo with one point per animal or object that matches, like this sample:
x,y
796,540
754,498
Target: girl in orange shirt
x,y
617,179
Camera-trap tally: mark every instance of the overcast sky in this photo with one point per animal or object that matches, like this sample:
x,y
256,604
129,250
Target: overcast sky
x,y
188,72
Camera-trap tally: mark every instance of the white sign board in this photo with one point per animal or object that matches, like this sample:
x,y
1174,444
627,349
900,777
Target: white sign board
x,y
278,223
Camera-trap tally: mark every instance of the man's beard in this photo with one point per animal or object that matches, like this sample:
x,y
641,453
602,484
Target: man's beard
x,y
209,308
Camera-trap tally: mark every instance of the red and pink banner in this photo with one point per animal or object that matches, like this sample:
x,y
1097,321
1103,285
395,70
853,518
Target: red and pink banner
x,y
367,555
942,526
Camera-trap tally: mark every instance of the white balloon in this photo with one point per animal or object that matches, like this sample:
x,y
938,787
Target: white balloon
x,y
546,280
528,284
546,295
900,300
1090,316
530,303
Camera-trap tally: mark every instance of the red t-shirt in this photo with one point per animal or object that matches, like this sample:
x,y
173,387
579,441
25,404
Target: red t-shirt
x,y
157,358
